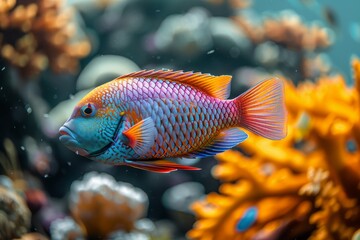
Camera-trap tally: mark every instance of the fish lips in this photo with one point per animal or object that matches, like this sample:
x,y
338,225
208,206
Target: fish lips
x,y
68,138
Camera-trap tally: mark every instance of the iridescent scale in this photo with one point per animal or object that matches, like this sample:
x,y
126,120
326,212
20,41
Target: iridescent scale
x,y
185,117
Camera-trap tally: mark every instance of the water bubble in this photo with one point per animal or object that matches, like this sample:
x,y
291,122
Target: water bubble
x,y
46,175
77,152
157,10
69,163
22,148
3,68
28,109
46,115
211,52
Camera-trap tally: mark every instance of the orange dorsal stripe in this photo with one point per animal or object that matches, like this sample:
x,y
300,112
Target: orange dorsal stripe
x,y
216,86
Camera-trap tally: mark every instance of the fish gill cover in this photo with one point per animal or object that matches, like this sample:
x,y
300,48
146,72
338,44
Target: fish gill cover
x,y
52,53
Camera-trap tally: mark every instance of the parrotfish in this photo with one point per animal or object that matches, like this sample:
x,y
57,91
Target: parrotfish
x,y
150,118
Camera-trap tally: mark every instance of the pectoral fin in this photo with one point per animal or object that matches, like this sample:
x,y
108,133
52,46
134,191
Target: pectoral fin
x,y
159,166
141,136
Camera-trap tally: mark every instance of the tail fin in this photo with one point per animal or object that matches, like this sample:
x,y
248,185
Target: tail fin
x,y
262,109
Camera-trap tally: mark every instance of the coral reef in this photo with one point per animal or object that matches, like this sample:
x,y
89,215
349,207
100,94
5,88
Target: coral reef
x,y
283,41
286,29
100,205
65,228
269,190
35,34
14,214
303,186
102,208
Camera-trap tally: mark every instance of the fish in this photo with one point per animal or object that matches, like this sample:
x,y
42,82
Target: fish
x,y
150,119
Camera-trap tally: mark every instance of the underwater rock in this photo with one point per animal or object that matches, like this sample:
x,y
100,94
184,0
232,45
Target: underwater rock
x,y
267,54
226,35
120,235
103,69
66,229
178,199
101,205
185,35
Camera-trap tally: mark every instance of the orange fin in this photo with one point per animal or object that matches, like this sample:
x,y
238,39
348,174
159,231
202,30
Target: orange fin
x,y
141,136
159,166
262,109
216,86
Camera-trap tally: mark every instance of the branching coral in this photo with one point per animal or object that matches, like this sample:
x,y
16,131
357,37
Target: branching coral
x,y
35,34
303,186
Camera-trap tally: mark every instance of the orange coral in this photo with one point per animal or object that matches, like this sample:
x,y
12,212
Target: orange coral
x,y
35,34
307,182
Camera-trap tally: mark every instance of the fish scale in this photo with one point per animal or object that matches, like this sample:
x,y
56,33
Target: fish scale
x,y
172,113
142,118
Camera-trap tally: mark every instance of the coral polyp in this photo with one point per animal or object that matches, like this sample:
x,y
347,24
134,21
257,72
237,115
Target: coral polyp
x,y
303,186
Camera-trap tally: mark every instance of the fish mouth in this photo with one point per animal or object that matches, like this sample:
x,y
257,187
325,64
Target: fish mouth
x,y
113,140
68,138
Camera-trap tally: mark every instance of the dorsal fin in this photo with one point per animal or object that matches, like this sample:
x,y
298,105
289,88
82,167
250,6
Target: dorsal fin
x,y
216,86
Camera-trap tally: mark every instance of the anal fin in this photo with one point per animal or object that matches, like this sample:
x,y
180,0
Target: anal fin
x,y
159,166
225,140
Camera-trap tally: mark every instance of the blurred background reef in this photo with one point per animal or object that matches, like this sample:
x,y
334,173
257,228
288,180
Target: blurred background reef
x,y
307,186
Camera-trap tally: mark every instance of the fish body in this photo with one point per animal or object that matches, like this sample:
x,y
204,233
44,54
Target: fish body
x,y
142,118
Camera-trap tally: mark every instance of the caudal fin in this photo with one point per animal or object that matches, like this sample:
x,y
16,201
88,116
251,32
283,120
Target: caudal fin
x,y
262,109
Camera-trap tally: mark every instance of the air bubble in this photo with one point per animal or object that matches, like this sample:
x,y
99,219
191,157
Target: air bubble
x,y
28,109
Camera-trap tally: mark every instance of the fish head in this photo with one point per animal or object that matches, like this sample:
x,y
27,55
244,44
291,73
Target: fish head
x,y
92,126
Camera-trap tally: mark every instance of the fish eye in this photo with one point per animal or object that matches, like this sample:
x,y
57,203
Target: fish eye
x,y
88,110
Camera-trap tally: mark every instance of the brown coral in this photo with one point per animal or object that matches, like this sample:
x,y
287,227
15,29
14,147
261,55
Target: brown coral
x,y
35,34
307,182
287,30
